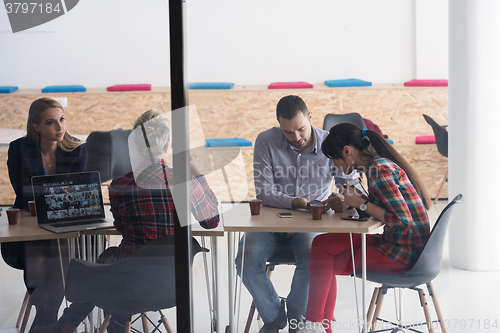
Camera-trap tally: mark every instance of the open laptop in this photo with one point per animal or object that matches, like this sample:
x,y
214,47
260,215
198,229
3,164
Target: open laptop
x,y
69,202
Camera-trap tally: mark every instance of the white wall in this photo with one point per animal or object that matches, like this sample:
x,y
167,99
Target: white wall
x,y
105,42
473,127
431,39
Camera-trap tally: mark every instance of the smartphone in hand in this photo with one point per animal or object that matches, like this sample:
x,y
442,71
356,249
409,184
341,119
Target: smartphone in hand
x,y
358,184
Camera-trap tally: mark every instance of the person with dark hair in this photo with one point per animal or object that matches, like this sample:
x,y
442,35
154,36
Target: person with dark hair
x,y
397,197
289,171
288,107
46,149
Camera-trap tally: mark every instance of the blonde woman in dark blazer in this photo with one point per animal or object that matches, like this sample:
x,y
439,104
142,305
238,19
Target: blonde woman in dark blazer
x,y
46,149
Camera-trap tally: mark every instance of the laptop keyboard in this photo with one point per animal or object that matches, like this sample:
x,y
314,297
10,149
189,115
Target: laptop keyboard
x,y
69,224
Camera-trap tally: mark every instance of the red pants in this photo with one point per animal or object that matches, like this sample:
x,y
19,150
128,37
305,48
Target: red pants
x,y
331,256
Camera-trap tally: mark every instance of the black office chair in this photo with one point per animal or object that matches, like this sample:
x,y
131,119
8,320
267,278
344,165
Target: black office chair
x,y
426,268
143,282
333,119
441,135
108,153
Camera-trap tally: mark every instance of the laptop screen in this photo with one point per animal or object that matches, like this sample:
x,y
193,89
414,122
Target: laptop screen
x,y
68,197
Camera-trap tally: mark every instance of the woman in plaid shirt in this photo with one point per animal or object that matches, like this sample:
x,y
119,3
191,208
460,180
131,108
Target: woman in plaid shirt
x,y
397,197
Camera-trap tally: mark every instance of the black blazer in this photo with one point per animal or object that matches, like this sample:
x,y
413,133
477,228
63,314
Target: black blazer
x,y
25,161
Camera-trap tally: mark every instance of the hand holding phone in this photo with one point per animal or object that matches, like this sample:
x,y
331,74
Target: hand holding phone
x,y
336,202
358,184
315,202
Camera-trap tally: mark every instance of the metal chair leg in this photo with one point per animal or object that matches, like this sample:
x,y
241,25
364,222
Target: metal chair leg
x,y
430,287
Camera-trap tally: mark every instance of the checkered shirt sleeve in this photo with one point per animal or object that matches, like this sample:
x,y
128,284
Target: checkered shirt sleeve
x,y
406,227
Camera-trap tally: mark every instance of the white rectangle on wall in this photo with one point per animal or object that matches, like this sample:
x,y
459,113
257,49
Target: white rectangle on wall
x,y
62,100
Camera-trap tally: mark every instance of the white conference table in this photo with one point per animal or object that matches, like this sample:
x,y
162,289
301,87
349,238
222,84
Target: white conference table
x,y
237,218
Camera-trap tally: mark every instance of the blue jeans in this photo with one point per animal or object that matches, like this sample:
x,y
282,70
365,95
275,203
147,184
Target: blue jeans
x,y
260,246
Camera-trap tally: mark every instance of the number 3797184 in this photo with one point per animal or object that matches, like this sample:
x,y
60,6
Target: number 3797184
x,y
32,7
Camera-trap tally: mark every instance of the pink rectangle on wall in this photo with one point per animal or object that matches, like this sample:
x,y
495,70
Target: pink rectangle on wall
x,y
425,139
289,85
427,83
129,87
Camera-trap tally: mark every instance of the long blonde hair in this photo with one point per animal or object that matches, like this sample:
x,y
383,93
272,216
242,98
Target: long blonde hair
x,y
37,108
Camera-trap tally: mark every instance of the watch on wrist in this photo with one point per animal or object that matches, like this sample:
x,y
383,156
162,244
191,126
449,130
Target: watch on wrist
x,y
363,206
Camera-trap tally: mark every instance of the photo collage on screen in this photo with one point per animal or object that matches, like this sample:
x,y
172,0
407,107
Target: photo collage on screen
x,y
65,200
